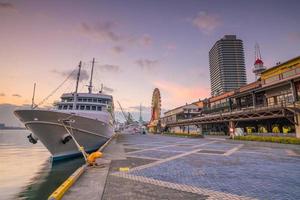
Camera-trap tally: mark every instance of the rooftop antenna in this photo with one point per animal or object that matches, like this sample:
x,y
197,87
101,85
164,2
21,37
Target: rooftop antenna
x,y
76,89
90,87
32,101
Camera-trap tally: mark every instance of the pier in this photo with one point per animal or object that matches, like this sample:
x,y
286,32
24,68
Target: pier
x,y
152,166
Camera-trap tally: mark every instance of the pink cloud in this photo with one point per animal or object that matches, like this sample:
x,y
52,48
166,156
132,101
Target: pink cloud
x,y
176,95
206,22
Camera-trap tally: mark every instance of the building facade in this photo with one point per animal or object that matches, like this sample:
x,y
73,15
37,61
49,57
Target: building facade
x,y
227,65
268,106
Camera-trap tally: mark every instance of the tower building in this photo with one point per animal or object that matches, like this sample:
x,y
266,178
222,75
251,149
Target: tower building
x,y
227,65
258,64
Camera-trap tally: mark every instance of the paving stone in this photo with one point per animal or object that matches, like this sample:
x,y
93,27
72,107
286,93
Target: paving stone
x,y
248,172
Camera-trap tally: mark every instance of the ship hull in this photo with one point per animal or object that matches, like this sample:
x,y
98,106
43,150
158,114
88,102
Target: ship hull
x,y
49,128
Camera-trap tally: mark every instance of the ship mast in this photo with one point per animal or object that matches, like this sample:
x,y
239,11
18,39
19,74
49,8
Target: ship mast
x,y
90,87
76,89
33,95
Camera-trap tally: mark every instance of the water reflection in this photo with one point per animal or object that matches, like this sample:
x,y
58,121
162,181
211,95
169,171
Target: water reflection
x,y
49,178
26,170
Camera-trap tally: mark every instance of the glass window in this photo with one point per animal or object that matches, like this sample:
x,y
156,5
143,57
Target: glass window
x,y
84,100
81,107
93,107
94,100
90,100
65,107
88,107
79,99
288,73
77,107
272,79
59,107
99,108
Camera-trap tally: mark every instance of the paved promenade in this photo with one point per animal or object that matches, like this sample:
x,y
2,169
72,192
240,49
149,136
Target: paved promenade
x,y
164,167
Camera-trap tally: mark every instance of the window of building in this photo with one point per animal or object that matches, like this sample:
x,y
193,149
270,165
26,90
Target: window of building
x,y
81,107
99,108
89,100
88,107
272,79
65,107
94,107
59,107
288,73
84,100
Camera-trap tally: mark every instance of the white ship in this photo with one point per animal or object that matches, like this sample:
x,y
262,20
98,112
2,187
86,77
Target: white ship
x,y
87,117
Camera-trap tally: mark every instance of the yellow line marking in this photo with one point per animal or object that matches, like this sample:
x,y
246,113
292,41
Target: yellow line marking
x,y
60,191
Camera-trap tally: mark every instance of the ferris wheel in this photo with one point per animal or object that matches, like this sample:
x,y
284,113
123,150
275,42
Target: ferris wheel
x,y
156,105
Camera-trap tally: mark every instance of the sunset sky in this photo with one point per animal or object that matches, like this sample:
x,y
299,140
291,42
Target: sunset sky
x,y
138,45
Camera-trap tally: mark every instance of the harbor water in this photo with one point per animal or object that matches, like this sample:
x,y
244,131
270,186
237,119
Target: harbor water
x,y
26,170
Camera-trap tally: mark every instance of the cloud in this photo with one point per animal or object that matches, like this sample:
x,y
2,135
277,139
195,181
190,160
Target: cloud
x,y
108,89
117,49
16,95
146,40
147,64
205,22
109,68
101,31
106,31
294,36
2,94
84,75
7,6
179,94
171,47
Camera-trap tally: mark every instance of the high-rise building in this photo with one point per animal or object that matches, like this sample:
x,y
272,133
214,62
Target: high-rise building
x,y
227,65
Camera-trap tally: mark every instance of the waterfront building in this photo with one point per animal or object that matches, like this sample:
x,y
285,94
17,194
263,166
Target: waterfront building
x,y
227,65
187,111
267,106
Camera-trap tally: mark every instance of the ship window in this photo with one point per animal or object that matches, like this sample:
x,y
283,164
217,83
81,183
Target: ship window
x,y
99,108
88,107
89,100
93,107
81,107
65,107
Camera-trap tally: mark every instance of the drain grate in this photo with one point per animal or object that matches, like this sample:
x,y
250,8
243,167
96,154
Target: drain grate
x,y
130,150
184,145
211,152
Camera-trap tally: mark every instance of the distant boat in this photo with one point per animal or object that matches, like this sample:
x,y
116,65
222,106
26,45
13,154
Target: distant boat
x,y
89,117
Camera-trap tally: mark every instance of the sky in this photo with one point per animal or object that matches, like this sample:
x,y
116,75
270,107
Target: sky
x,y
138,45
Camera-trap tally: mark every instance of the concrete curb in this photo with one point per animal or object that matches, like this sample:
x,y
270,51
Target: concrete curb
x,y
63,188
